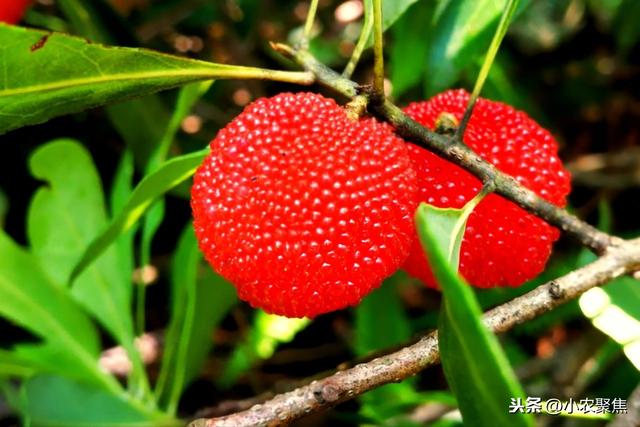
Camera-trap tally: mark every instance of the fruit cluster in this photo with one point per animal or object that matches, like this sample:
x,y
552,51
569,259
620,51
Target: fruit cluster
x,y
306,210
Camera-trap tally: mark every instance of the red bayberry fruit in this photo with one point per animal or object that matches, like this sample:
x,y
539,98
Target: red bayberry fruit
x,y
11,11
303,209
503,245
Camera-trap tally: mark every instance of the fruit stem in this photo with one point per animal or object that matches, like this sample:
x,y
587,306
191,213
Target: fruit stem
x,y
357,107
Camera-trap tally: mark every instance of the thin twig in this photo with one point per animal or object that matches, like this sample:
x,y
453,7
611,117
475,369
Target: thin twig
x,y
363,40
378,54
503,25
344,385
308,25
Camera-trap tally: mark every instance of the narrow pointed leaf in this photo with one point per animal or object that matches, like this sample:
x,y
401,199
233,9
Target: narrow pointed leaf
x,y
150,188
474,363
198,304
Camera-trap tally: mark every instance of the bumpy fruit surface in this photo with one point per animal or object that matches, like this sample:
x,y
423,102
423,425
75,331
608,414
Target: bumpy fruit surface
x,y
503,245
303,209
11,11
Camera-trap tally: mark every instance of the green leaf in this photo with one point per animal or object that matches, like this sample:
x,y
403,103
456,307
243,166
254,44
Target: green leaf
x,y
197,306
267,332
29,298
391,12
172,173
52,401
59,235
13,366
408,52
474,364
187,97
462,31
375,332
50,74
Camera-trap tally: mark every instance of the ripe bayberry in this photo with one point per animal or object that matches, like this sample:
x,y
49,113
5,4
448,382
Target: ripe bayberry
x,y
11,11
503,245
303,209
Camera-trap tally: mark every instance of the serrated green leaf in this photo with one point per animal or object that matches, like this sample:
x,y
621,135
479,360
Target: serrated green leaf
x,y
52,401
172,173
29,298
197,306
59,235
474,364
45,74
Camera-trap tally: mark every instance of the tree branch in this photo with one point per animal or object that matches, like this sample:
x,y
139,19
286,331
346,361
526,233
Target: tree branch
x,y
456,152
344,385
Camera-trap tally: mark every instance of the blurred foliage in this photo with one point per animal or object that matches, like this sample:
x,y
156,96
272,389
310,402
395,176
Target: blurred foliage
x,y
117,176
